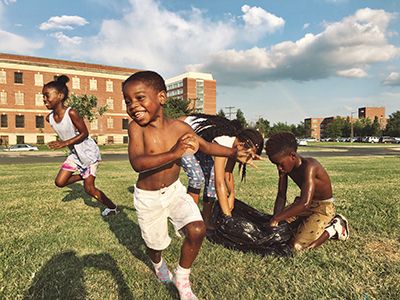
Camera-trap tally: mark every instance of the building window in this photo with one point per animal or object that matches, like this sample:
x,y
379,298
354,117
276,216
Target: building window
x,y
4,140
39,99
20,121
110,140
125,139
39,79
18,77
3,97
76,83
123,104
94,125
110,123
93,84
125,123
39,122
109,86
20,139
19,98
110,103
3,76
4,121
40,139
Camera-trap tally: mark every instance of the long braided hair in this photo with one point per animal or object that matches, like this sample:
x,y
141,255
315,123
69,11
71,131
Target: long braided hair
x,y
211,126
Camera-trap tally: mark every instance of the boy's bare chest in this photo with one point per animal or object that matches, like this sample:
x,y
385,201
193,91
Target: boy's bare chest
x,y
159,141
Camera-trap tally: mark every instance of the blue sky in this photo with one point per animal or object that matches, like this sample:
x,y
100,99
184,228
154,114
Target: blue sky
x,y
281,60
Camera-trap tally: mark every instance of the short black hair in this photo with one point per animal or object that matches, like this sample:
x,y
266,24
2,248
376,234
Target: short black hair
x,y
280,142
150,78
60,84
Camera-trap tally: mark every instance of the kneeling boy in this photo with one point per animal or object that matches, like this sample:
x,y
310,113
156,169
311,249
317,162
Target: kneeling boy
x,y
315,205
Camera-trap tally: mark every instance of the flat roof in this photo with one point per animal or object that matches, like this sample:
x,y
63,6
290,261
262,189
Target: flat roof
x,y
194,75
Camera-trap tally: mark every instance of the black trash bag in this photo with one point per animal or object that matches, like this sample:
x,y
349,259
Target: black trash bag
x,y
248,230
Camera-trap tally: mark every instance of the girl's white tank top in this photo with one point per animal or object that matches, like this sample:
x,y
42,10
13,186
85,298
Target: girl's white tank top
x,y
87,151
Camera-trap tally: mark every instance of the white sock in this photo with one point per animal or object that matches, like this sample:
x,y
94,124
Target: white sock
x,y
182,283
162,271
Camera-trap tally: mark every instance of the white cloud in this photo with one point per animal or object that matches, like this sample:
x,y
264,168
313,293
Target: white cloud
x,y
352,73
7,2
151,37
63,23
344,48
258,19
306,25
14,43
66,40
393,79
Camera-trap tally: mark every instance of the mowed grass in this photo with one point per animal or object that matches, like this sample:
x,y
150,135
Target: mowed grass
x,y
55,245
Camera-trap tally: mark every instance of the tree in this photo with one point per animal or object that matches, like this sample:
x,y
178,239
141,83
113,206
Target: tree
x,y
263,126
279,127
175,108
221,113
376,127
335,128
86,105
393,125
240,117
301,130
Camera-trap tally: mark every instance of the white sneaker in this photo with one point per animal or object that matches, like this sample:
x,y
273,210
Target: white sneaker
x,y
109,211
338,228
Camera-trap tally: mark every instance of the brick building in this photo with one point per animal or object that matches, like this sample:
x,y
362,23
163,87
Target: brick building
x,y
23,113
371,113
314,125
200,88
22,110
317,126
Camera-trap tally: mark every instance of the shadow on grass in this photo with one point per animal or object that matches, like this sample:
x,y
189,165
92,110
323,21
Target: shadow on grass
x,y
63,277
77,191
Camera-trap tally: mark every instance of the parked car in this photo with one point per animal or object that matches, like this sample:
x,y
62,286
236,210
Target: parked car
x,y
371,139
22,147
387,139
302,142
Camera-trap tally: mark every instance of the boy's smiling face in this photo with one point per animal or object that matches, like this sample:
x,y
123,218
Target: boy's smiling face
x,y
284,161
143,103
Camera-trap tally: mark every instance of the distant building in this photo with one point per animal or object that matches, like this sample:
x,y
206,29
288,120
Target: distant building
x,y
372,113
318,126
314,127
199,88
23,113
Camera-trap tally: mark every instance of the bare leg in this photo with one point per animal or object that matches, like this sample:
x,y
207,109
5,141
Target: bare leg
x,y
319,241
207,213
65,178
96,193
194,235
195,197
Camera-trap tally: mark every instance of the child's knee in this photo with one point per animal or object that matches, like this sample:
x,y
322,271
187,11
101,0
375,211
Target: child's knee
x,y
196,231
91,190
59,183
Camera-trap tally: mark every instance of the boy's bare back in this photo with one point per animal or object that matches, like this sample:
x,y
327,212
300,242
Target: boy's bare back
x,y
311,170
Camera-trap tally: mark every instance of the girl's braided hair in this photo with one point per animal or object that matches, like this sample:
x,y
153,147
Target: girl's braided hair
x,y
212,126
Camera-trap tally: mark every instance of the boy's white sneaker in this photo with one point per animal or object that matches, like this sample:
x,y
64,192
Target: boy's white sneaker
x,y
338,228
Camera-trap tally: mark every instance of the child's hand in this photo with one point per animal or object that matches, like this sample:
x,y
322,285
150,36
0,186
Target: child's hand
x,y
185,143
245,156
56,145
273,222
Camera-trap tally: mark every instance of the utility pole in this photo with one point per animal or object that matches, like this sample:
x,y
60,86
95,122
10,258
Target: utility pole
x,y
230,112
351,126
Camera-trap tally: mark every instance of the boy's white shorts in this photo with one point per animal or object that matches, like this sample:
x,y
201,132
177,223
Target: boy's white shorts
x,y
154,208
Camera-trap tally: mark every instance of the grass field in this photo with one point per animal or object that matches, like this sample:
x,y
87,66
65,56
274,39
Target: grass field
x,y
55,245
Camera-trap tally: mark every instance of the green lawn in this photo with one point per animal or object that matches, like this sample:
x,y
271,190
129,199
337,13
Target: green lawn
x,y
55,245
